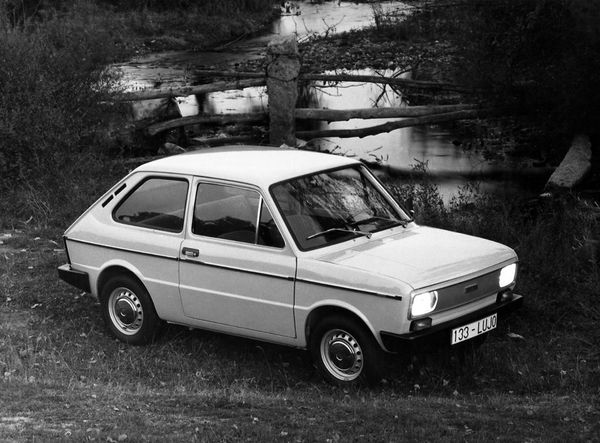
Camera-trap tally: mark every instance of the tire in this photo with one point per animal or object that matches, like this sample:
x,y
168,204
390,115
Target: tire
x,y
128,310
345,352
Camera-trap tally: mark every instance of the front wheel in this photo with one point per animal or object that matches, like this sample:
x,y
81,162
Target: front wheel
x,y
345,352
128,310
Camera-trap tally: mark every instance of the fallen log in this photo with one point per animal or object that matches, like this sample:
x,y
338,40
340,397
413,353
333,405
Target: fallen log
x,y
391,126
335,78
184,91
222,141
332,115
397,81
574,167
228,74
206,118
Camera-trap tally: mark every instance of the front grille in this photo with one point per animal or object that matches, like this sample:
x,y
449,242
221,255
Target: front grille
x,y
467,291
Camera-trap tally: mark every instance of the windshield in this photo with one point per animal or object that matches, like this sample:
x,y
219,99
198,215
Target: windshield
x,y
334,206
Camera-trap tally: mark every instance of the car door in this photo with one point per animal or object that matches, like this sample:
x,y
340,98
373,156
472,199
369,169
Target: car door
x,y
235,268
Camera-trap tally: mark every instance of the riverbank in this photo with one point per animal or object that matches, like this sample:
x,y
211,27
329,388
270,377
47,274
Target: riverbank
x,y
148,32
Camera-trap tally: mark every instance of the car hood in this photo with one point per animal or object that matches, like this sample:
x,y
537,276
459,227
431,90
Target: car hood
x,y
422,256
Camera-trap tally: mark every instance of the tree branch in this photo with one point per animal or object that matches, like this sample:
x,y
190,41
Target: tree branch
x,y
206,118
191,90
391,126
366,113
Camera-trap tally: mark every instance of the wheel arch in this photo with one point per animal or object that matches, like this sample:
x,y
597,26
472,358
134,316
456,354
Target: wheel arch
x,y
144,324
112,271
323,311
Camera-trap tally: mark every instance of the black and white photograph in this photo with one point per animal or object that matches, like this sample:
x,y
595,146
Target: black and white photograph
x,y
299,221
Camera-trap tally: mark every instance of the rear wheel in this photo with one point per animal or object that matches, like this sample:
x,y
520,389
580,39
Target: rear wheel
x,y
345,352
128,310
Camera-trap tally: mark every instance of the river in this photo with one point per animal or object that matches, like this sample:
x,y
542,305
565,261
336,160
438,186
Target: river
x,y
448,161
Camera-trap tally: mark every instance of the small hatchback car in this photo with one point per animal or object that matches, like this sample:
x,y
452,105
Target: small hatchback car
x,y
292,247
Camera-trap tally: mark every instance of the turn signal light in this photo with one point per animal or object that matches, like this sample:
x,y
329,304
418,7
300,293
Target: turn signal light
x,y
420,324
504,296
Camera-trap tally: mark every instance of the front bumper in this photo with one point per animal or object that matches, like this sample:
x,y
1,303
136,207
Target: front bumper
x,y
79,279
440,334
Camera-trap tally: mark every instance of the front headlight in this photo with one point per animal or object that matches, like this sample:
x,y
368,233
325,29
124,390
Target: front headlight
x,y
507,275
423,303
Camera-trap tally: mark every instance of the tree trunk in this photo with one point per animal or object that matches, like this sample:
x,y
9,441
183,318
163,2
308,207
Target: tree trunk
x,y
574,167
282,87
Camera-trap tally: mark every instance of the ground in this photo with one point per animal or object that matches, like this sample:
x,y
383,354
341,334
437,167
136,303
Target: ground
x,y
63,377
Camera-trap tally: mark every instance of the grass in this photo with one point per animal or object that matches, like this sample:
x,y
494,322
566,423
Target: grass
x,y
62,376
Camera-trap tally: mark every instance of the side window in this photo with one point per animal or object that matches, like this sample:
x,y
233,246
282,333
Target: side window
x,y
231,213
157,203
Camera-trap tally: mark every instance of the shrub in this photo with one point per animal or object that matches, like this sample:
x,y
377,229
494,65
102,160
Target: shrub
x,y
537,56
219,7
559,258
54,86
537,59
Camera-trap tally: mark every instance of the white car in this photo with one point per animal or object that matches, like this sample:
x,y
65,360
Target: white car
x,y
292,247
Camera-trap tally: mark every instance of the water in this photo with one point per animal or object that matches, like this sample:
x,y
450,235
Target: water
x,y
397,150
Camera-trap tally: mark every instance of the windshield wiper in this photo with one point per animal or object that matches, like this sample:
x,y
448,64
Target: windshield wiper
x,y
349,231
392,221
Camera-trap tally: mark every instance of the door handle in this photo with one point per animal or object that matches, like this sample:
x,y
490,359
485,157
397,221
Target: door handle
x,y
190,252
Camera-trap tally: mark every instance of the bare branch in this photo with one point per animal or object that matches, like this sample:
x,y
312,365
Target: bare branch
x,y
206,118
391,126
191,90
366,113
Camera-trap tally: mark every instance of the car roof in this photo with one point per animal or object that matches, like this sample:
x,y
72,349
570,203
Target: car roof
x,y
261,166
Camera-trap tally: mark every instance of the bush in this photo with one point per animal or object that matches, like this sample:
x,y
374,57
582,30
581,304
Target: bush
x,y
54,111
559,258
536,56
208,6
537,59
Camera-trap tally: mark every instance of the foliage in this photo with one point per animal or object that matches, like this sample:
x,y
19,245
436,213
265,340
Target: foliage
x,y
553,238
538,57
57,121
213,7
54,115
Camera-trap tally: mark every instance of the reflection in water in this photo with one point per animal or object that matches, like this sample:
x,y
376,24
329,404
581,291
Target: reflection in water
x,y
235,102
332,17
398,149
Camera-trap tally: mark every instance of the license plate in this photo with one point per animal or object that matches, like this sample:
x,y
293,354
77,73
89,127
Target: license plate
x,y
474,329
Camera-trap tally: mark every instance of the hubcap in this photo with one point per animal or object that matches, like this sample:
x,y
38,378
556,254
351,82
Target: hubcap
x,y
342,355
125,310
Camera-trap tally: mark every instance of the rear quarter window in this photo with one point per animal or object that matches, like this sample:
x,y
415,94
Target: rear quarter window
x,y
156,203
